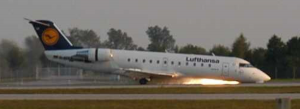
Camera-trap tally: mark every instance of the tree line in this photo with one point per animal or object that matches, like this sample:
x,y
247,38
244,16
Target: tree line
x,y
279,60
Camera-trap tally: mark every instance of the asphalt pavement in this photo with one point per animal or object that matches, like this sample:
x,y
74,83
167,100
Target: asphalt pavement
x,y
147,96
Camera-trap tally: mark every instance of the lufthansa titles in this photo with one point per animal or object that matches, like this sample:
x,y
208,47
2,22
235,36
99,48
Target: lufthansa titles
x,y
203,60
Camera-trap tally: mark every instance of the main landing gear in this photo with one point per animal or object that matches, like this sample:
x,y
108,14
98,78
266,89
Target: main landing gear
x,y
144,81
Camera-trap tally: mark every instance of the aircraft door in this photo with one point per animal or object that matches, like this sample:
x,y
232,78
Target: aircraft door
x,y
225,69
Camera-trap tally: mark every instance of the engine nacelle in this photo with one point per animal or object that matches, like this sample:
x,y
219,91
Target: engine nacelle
x,y
92,55
103,55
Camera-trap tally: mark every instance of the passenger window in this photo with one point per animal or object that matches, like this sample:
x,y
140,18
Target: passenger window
x,y
202,65
245,65
144,60
186,63
209,65
165,62
179,63
136,60
172,62
128,59
157,61
194,64
150,61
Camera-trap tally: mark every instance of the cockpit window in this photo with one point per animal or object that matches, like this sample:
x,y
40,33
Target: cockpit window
x,y
245,65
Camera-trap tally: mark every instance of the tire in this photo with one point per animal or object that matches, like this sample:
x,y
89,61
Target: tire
x,y
143,81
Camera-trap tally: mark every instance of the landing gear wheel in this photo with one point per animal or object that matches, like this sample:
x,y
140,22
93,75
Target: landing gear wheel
x,y
143,81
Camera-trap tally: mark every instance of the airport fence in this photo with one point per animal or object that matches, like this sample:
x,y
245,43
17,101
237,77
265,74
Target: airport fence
x,y
60,74
73,73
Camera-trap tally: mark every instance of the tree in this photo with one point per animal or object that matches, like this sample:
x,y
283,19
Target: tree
x,y
220,50
240,47
257,57
161,39
119,40
176,49
275,54
13,55
34,49
140,49
192,49
4,69
85,38
293,52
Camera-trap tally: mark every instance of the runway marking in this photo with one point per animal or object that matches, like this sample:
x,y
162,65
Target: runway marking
x,y
147,96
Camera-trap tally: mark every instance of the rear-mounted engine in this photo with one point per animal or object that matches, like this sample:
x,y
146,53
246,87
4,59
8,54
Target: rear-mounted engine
x,y
91,55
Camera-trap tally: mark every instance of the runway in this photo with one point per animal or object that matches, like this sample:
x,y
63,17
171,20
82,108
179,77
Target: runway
x,y
142,96
93,86
147,96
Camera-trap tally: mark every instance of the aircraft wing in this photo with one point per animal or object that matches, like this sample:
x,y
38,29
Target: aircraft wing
x,y
138,73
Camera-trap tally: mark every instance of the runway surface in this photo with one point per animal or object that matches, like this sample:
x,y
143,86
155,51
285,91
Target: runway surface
x,y
93,86
146,96
140,96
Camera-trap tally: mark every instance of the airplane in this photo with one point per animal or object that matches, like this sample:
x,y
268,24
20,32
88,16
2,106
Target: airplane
x,y
143,66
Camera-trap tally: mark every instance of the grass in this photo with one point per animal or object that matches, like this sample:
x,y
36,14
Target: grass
x,y
161,90
286,80
142,104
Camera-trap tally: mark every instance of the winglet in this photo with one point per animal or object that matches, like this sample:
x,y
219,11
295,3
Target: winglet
x,y
213,54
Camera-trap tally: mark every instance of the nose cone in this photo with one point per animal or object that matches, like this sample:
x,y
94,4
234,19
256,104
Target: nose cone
x,y
267,77
261,76
264,76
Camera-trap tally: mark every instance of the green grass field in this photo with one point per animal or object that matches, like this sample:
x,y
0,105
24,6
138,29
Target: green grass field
x,y
285,80
142,104
161,90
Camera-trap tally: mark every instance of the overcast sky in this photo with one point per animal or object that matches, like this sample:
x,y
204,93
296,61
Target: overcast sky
x,y
199,22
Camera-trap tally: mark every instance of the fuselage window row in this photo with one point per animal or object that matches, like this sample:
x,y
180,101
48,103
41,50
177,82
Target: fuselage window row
x,y
165,62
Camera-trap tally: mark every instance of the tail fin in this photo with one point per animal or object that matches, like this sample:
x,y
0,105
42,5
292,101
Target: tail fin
x,y
50,35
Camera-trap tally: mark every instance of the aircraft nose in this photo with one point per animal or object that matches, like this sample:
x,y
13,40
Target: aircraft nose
x,y
264,76
267,78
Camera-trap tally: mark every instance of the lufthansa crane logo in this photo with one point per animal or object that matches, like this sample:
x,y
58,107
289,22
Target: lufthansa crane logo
x,y
50,36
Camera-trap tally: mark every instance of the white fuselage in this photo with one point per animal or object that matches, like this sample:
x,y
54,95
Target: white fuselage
x,y
185,65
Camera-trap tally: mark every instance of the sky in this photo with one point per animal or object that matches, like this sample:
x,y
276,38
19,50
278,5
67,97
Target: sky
x,y
200,22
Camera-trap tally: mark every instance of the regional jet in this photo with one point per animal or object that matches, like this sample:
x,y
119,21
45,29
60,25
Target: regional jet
x,y
143,66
